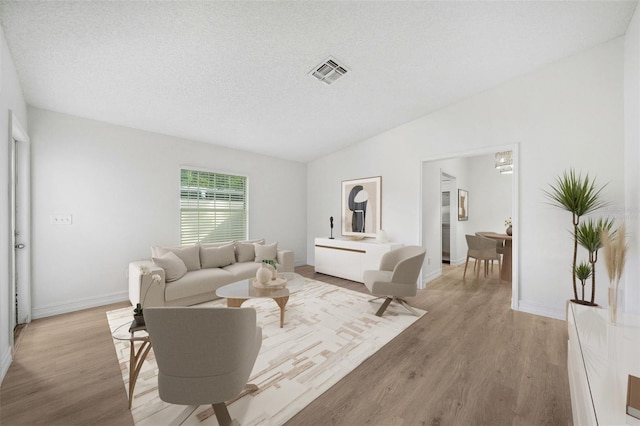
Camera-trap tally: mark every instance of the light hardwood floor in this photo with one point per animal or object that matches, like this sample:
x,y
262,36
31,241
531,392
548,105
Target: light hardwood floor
x,y
470,360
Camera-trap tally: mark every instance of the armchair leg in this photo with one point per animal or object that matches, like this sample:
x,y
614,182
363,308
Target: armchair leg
x,y
384,306
184,415
401,302
248,388
222,414
407,307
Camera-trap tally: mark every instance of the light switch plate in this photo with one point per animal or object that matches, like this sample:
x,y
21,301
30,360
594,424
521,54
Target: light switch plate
x,y
61,219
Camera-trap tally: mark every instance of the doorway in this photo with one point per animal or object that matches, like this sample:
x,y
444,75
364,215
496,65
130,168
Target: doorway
x,y
447,187
487,209
20,212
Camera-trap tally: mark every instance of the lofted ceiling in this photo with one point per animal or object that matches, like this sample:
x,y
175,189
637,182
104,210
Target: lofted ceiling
x,y
236,73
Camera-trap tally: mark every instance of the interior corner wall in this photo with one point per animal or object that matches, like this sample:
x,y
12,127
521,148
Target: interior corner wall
x,y
121,188
566,114
11,99
630,284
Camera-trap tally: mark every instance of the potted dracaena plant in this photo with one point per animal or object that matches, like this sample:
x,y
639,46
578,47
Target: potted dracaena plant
x,y
579,196
589,236
583,273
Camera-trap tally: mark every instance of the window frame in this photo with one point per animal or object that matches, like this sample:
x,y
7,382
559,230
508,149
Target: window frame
x,y
213,172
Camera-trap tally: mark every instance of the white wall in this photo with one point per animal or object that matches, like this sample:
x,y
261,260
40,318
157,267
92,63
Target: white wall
x,y
569,113
631,277
10,99
121,187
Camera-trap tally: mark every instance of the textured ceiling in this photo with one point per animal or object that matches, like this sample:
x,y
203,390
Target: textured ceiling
x,y
236,73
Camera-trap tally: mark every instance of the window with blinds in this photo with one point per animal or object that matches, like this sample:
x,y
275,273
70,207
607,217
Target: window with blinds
x,y
213,207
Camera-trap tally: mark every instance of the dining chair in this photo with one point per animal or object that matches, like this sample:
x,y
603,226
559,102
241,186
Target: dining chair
x,y
482,249
499,244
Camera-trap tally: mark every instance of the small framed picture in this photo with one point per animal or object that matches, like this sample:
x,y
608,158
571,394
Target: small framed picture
x,y
463,204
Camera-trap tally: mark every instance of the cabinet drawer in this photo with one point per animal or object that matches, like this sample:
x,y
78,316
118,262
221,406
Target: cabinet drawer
x,y
339,262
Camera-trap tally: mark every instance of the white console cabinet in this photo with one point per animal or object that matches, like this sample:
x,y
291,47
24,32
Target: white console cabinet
x,y
348,259
600,358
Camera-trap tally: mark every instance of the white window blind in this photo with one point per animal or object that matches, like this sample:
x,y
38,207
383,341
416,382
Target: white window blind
x,y
213,207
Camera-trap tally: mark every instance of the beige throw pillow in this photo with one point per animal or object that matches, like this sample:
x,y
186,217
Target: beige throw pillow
x,y
266,251
217,257
190,255
174,267
245,252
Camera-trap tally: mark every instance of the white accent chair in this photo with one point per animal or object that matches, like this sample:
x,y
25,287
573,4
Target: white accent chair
x,y
205,355
397,277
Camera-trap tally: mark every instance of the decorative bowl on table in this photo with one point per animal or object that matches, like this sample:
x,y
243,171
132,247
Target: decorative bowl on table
x,y
287,275
355,237
279,282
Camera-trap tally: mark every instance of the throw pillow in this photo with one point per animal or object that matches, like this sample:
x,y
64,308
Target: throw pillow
x,y
217,257
216,244
190,255
259,241
266,251
245,252
174,267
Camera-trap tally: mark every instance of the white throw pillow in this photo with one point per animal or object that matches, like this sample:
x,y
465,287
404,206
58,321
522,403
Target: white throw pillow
x,y
190,255
266,251
217,257
174,267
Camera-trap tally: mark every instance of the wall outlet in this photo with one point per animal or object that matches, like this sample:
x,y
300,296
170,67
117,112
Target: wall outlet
x,y
61,219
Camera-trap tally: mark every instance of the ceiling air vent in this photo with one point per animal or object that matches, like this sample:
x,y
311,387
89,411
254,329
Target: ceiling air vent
x,y
328,71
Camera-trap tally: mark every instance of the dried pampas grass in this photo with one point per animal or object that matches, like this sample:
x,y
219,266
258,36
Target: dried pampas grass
x,y
615,248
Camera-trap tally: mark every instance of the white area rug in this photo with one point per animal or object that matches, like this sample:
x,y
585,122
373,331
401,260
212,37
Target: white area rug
x,y
328,332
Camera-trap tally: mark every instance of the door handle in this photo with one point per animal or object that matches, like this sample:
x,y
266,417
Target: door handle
x,y
19,246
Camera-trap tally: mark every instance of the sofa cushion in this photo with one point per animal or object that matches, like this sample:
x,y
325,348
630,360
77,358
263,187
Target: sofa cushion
x,y
198,282
174,267
217,257
243,270
266,251
190,255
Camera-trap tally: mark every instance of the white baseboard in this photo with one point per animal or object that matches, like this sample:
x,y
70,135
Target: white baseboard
x,y
430,277
5,363
542,310
79,304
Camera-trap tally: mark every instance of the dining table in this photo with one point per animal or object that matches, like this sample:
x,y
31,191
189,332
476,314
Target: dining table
x,y
505,272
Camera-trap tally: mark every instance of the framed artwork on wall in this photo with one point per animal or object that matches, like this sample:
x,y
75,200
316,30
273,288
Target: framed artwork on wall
x,y
463,204
361,211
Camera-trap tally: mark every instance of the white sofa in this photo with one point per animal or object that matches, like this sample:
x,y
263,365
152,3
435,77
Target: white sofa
x,y
192,274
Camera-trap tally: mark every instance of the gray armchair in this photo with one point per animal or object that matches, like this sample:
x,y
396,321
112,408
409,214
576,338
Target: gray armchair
x,y
204,355
397,277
